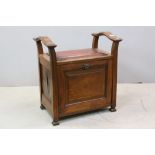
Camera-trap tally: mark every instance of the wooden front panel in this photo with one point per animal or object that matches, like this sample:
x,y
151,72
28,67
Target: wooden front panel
x,y
81,83
85,89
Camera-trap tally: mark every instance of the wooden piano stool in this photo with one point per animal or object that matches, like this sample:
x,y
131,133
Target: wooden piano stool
x,y
77,81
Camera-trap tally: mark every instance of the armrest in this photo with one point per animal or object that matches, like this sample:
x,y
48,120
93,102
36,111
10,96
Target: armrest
x,y
109,35
46,41
45,60
114,52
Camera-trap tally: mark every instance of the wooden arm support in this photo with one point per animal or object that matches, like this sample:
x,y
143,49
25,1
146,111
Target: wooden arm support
x,y
45,60
46,41
50,63
114,53
109,35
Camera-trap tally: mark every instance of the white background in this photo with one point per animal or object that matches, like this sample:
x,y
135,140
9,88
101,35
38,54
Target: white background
x,y
80,12
18,52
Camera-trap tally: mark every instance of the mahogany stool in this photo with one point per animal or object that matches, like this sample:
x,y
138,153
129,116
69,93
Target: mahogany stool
x,y
77,81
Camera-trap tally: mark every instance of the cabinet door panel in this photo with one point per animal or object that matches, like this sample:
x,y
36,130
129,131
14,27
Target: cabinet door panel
x,y
85,85
85,89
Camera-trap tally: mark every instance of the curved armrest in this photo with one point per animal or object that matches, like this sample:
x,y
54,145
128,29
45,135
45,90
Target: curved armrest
x,y
114,52
46,41
109,35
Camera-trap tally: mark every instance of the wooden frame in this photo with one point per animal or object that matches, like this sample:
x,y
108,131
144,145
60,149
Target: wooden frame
x,y
52,66
52,74
114,53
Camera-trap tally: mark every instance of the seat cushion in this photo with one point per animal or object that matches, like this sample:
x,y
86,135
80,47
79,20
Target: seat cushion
x,y
80,54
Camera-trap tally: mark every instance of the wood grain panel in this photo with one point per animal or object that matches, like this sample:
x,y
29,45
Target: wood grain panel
x,y
86,85
47,83
85,89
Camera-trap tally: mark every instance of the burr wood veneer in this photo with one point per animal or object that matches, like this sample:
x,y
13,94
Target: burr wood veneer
x,y
77,81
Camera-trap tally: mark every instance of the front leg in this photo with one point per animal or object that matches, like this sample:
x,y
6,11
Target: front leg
x,y
42,107
55,123
112,109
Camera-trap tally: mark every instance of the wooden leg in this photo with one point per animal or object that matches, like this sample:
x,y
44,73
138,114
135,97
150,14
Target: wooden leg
x,y
55,123
113,109
114,52
42,107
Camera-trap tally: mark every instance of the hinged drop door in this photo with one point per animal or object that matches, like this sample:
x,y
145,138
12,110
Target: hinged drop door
x,y
84,86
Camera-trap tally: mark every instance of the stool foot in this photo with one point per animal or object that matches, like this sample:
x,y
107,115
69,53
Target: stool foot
x,y
112,109
42,107
55,123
